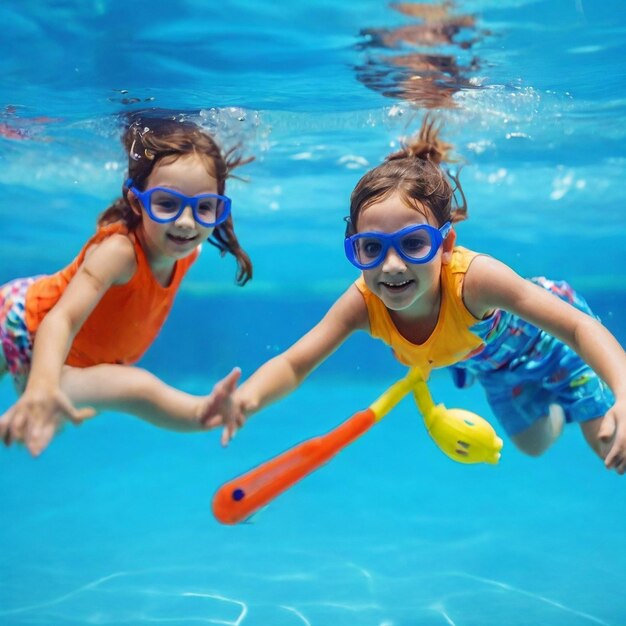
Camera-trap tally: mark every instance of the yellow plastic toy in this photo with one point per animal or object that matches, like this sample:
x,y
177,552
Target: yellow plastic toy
x,y
462,435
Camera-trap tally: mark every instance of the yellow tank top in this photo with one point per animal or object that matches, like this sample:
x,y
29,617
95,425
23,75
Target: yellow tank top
x,y
451,341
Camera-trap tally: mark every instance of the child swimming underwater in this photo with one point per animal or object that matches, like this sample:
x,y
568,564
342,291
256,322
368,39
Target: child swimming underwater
x,y
534,345
69,339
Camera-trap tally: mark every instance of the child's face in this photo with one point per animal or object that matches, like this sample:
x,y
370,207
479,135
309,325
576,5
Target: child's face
x,y
404,287
187,175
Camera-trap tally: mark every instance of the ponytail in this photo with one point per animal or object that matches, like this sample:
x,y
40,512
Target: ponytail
x,y
426,144
418,173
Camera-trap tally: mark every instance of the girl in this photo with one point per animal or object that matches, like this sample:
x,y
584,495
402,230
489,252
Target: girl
x,y
68,339
534,345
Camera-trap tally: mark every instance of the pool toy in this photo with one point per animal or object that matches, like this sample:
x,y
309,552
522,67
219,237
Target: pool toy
x,y
463,436
239,498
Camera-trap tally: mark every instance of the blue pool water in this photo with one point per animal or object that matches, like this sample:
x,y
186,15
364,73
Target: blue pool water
x,y
112,525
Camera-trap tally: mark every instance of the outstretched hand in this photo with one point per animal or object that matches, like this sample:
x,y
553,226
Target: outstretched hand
x,y
37,416
221,409
612,435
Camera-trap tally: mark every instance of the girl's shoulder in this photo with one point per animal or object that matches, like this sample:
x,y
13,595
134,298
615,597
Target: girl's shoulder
x,y
352,306
490,284
461,259
114,238
118,245
116,252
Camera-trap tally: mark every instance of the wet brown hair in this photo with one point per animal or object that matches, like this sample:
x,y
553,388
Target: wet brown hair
x,y
416,173
150,140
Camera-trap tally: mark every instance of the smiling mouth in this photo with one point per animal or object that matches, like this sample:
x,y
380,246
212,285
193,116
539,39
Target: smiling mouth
x,y
180,239
397,286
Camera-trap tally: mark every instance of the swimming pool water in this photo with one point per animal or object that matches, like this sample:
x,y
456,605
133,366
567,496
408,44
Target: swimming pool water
x,y
112,525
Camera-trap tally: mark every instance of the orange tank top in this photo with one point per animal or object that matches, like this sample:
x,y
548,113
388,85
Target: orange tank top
x,y
451,341
127,319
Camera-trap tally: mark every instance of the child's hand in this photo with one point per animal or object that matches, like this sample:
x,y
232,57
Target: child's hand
x,y
220,409
233,420
36,416
612,435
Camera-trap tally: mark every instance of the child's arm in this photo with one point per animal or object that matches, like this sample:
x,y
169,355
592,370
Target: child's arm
x,y
129,390
135,391
490,284
38,410
285,372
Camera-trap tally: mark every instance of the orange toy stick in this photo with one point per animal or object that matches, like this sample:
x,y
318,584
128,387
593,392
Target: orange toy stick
x,y
241,497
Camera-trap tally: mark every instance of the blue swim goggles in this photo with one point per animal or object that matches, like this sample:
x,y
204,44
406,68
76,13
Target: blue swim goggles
x,y
415,244
166,205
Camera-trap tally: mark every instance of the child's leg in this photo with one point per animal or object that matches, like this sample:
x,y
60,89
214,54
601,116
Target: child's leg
x,y
528,414
538,437
140,393
591,430
586,400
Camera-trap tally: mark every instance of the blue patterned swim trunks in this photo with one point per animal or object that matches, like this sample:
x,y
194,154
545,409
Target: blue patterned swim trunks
x,y
524,370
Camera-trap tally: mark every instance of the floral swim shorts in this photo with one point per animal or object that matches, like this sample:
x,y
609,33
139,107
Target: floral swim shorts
x,y
16,341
